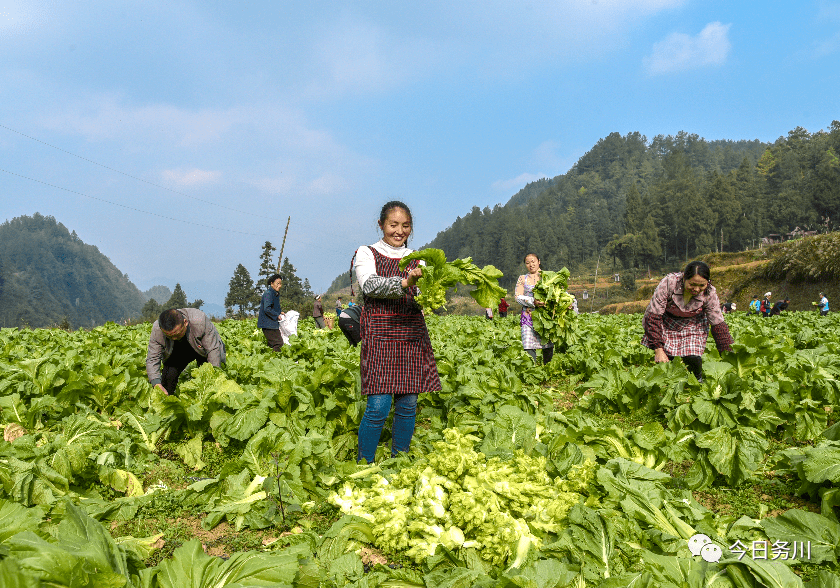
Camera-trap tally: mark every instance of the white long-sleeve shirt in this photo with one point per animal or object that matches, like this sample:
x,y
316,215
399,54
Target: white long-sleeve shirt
x,y
379,287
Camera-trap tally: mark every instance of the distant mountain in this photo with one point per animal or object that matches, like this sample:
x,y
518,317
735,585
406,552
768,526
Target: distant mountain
x,y
48,274
159,293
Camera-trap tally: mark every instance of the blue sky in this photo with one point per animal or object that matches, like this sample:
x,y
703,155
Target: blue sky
x,y
225,119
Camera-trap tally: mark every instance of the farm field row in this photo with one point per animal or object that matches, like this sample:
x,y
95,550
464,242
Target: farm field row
x,y
595,470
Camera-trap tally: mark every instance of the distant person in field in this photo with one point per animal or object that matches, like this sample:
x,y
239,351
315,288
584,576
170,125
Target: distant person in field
x,y
823,304
488,314
779,307
503,307
352,302
318,312
755,305
178,337
765,306
397,360
270,313
677,319
338,306
728,307
525,296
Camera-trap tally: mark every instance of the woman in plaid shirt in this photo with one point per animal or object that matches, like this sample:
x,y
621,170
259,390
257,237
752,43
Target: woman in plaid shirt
x,y
678,317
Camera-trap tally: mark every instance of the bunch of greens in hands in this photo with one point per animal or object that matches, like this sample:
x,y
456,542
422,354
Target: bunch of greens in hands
x,y
440,275
554,320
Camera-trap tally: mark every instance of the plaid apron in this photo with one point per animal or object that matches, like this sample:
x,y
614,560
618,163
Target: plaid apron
x,y
397,355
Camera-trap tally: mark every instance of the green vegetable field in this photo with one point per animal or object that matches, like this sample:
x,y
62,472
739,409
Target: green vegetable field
x,y
599,469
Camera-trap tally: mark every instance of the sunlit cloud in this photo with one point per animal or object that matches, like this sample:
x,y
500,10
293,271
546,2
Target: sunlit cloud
x,y
21,18
680,52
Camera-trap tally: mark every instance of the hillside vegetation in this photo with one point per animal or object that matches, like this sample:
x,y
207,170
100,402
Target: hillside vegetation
x,y
641,205
48,274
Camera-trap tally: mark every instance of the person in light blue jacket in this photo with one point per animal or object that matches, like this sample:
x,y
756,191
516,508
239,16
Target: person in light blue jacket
x,y
270,312
823,305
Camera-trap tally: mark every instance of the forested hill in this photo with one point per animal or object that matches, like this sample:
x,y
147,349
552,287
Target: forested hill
x,y
47,274
655,203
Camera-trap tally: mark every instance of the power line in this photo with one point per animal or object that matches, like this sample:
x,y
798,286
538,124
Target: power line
x,y
136,178
134,209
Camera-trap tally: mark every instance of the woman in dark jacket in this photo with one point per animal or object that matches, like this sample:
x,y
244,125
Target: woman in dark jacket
x,y
270,312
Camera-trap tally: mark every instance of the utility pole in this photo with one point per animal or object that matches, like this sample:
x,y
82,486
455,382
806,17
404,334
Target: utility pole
x,y
280,259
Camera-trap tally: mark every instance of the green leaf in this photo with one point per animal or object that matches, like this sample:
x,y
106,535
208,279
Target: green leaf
x,y
190,567
823,464
824,579
15,518
735,453
822,533
769,574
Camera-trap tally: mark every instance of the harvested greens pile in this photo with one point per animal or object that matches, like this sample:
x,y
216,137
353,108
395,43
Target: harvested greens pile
x,y
554,321
440,275
458,498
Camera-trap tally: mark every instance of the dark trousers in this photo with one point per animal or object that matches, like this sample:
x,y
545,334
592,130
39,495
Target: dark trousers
x,y
694,364
547,353
177,363
274,338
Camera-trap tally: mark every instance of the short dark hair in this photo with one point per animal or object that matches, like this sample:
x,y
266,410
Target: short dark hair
x,y
270,279
170,320
697,268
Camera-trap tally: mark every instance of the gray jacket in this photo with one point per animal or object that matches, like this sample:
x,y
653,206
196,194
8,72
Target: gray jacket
x,y
202,336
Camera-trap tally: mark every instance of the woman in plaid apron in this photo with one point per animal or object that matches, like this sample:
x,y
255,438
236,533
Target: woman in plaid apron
x,y
678,317
525,296
397,361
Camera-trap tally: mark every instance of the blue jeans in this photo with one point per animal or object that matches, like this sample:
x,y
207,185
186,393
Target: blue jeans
x,y
376,412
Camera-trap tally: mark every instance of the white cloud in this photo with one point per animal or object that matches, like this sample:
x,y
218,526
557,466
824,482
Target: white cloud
x,y
513,185
365,50
280,185
326,185
827,46
191,177
680,52
21,18
829,11
105,117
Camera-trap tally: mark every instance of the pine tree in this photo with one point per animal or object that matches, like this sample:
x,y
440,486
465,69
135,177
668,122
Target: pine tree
x,y
267,267
241,292
177,300
151,310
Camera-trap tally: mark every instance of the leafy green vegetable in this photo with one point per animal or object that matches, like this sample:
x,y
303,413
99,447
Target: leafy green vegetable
x,y
440,275
554,321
